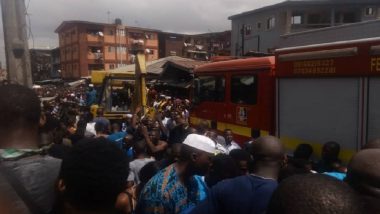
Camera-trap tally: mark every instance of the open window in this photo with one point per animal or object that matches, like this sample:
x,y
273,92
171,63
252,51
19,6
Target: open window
x,y
244,89
271,23
297,18
210,88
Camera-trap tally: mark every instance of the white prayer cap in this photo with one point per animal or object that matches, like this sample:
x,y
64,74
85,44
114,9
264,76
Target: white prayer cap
x,y
200,142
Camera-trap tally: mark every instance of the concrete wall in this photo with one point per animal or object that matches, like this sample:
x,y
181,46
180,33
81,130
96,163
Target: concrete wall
x,y
332,34
269,39
260,39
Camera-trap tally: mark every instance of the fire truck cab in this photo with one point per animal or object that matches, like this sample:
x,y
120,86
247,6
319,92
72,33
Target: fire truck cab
x,y
237,95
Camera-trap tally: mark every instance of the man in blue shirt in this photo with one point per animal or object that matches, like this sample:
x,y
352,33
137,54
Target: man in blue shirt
x,y
117,136
91,95
249,193
178,188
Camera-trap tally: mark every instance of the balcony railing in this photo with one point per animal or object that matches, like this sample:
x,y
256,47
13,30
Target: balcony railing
x,y
94,38
95,56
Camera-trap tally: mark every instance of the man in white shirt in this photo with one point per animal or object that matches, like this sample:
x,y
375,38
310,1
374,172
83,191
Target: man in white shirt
x,y
140,150
213,135
230,143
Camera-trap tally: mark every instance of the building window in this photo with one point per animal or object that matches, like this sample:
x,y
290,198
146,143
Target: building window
x,y
121,49
239,87
271,23
297,19
212,88
112,66
314,19
111,49
349,17
149,36
111,32
120,32
369,11
258,25
248,30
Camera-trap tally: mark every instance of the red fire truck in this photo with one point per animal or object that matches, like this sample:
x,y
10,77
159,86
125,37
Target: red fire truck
x,y
309,94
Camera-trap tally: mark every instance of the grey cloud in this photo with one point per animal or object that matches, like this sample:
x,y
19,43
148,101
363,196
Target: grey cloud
x,y
183,16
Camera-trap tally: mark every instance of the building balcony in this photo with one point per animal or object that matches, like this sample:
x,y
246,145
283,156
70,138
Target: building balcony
x,y
94,38
151,43
109,39
136,42
109,56
95,56
301,27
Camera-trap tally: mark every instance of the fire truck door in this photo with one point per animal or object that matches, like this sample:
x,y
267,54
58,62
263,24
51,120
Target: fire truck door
x,y
373,108
317,110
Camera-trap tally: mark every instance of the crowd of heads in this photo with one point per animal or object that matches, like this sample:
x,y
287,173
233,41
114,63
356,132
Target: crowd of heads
x,y
112,167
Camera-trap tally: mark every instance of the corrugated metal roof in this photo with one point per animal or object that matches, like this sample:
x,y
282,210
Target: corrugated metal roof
x,y
156,67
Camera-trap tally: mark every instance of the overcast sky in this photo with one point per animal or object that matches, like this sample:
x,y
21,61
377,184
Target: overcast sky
x,y
181,16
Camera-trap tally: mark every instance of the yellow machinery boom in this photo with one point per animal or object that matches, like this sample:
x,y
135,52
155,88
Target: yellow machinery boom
x,y
109,80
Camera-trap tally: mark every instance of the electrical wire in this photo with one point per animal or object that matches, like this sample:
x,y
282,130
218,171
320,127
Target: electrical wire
x,y
29,24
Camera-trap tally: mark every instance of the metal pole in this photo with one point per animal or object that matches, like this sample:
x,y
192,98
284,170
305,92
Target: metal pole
x,y
242,39
16,42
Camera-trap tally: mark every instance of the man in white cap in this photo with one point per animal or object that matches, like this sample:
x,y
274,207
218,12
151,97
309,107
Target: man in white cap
x,y
179,187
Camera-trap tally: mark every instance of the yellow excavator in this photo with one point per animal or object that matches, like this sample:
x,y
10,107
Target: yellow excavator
x,y
120,92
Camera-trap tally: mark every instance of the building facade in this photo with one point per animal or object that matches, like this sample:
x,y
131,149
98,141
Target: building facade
x,y
199,46
55,63
263,29
41,64
87,46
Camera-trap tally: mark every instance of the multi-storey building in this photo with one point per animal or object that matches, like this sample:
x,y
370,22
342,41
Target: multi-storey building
x,y
199,46
264,29
41,64
55,63
88,46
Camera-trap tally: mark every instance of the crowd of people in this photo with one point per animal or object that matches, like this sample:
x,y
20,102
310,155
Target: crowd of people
x,y
57,157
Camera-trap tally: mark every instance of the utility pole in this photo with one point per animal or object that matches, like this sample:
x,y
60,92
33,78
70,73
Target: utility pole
x,y
16,42
242,31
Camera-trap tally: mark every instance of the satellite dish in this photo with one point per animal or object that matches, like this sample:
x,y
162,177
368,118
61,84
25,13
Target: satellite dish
x,y
100,34
147,51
